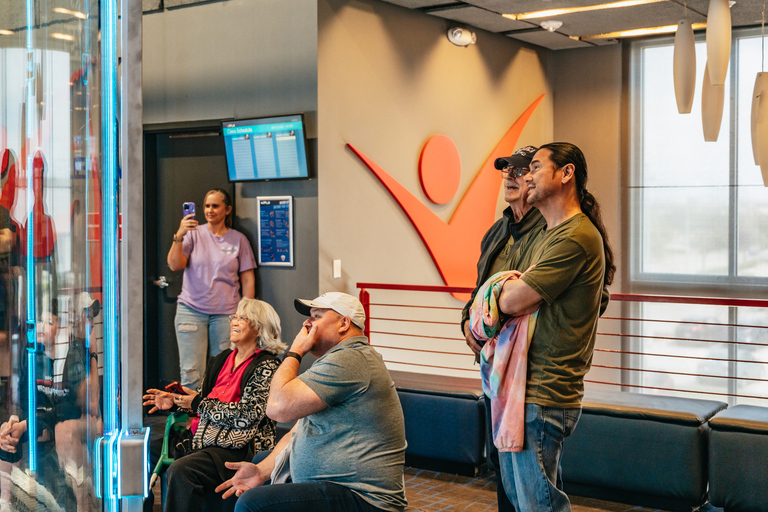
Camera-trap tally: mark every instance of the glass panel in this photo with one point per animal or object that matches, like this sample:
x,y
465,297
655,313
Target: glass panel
x,y
752,356
687,345
674,151
685,231
50,255
683,182
753,195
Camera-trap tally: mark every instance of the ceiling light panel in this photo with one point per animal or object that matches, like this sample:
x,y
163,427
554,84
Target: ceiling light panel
x,y
639,32
616,20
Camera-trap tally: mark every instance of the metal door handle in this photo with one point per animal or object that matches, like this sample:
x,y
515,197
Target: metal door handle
x,y
161,282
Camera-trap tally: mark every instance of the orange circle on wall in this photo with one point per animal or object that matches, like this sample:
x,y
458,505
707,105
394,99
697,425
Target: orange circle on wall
x,y
440,169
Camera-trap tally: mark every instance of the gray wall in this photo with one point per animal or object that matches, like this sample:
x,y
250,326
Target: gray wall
x,y
238,59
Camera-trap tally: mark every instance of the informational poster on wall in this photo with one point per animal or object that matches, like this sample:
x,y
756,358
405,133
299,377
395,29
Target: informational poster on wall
x,y
275,231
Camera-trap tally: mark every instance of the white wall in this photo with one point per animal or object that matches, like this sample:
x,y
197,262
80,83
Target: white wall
x,y
231,59
388,79
588,113
239,59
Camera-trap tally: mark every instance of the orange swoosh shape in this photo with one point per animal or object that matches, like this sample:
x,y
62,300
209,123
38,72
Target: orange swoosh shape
x,y
455,246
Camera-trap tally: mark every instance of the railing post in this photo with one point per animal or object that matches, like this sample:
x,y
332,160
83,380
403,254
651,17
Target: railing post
x,y
365,300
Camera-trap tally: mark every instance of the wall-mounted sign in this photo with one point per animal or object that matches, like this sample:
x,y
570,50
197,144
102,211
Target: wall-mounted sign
x,y
474,213
275,236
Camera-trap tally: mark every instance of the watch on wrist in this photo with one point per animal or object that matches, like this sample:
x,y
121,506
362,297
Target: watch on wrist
x,y
292,354
177,239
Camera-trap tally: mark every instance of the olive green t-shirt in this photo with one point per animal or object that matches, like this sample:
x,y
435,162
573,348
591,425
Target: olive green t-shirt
x,y
568,275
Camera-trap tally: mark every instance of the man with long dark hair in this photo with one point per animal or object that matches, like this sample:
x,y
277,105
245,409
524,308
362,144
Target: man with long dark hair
x,y
566,264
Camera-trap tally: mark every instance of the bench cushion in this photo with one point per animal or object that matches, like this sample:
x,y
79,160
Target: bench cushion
x,y
444,426
641,446
667,409
738,451
742,418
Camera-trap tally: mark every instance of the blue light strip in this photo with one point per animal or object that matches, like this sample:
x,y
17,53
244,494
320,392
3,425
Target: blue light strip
x,y
110,474
31,123
98,467
110,244
146,459
119,464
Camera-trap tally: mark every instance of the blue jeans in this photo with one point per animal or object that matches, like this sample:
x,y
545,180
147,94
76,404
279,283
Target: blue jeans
x,y
196,334
532,477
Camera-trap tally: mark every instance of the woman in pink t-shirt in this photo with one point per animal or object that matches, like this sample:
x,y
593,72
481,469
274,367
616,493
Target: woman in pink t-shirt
x,y
230,422
218,268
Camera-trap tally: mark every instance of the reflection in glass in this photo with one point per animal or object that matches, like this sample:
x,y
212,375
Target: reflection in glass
x,y
50,240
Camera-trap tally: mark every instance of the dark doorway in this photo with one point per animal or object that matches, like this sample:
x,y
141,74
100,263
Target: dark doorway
x,y
181,163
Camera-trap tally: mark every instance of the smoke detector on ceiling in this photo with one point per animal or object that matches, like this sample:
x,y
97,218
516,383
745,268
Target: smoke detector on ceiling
x,y
551,25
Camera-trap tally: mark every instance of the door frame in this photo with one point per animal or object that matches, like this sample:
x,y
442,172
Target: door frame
x,y
151,236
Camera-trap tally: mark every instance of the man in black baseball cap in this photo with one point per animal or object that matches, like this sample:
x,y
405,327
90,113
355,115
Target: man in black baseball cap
x,y
496,250
520,159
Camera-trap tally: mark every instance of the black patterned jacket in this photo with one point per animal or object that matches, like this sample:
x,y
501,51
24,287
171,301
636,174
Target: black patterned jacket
x,y
236,424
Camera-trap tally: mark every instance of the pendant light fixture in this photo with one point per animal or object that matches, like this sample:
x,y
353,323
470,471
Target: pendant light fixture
x,y
712,98
760,92
760,110
762,136
684,66
718,40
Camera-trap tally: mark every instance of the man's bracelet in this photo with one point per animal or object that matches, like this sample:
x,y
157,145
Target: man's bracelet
x,y
292,354
177,239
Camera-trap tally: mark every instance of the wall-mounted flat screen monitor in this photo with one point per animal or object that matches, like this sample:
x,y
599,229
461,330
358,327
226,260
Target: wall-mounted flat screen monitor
x,y
266,148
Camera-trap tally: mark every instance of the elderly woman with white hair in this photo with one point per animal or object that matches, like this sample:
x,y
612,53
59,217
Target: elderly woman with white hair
x,y
231,423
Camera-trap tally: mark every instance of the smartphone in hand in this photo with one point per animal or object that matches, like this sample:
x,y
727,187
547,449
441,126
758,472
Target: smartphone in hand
x,y
188,209
175,387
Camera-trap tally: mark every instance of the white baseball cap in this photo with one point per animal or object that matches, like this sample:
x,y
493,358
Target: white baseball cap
x,y
342,303
85,301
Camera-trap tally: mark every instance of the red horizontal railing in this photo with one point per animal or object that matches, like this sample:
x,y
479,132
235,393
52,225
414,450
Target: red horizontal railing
x,y
634,368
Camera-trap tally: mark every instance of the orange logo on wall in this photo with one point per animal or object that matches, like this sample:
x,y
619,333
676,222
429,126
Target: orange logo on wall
x,y
454,246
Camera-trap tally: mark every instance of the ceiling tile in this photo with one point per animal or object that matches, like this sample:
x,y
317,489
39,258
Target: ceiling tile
x,y
480,18
553,41
416,4
746,12
520,6
612,20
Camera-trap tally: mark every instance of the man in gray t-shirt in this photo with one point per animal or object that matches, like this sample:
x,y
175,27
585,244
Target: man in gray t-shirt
x,y
348,445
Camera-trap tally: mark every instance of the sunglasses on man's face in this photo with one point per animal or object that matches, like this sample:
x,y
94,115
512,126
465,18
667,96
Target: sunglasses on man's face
x,y
515,172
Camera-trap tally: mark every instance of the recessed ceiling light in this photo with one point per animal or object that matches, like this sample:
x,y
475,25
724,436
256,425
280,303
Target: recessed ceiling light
x,y
666,29
76,14
4,32
64,37
586,8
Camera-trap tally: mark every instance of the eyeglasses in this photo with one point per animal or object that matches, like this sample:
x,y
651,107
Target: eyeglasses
x,y
235,318
515,172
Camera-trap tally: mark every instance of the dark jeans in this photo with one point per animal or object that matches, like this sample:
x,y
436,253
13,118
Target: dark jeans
x,y
493,460
192,476
293,497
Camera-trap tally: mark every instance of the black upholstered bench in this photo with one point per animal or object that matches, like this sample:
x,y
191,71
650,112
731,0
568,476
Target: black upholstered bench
x,y
640,449
738,459
444,422
445,430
